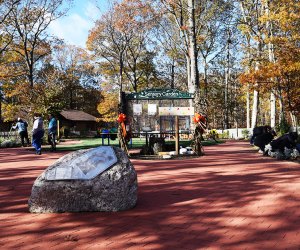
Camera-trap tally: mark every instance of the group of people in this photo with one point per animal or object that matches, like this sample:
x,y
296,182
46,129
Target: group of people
x,y
264,135
37,132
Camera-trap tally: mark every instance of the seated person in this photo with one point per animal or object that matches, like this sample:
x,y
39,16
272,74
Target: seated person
x,y
259,131
264,139
287,140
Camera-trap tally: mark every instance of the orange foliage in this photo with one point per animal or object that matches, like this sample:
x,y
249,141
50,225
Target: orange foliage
x,y
108,107
281,74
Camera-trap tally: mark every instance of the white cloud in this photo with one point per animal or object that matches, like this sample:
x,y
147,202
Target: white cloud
x,y
73,29
91,11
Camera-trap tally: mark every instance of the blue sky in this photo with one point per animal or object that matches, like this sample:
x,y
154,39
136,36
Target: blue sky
x,y
74,27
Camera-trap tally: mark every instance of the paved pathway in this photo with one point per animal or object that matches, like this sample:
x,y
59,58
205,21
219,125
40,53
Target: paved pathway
x,y
232,198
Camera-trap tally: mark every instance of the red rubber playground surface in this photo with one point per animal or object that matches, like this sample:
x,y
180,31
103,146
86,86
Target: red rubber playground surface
x,y
231,198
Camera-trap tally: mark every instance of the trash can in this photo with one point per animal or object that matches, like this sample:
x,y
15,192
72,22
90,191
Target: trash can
x,y
113,133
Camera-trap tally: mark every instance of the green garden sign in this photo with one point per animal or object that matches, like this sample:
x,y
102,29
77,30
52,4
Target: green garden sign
x,y
159,94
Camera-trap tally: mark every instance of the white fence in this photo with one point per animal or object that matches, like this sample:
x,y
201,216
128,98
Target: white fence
x,y
236,133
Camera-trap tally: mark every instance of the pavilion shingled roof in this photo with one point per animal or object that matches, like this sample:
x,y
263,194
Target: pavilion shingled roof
x,y
77,115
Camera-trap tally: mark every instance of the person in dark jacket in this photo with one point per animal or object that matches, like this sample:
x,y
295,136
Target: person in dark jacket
x,y
264,139
259,131
21,126
52,130
288,140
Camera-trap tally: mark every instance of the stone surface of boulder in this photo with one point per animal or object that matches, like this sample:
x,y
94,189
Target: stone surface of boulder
x,y
62,187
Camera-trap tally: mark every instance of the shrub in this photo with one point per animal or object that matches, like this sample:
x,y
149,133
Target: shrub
x,y
224,135
9,143
283,127
246,133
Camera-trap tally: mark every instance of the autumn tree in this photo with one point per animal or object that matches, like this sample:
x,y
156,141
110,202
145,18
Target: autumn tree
x,y
108,107
282,38
6,7
251,25
198,23
216,36
172,60
150,77
120,37
136,62
177,13
279,29
109,43
5,39
285,25
26,25
77,77
28,22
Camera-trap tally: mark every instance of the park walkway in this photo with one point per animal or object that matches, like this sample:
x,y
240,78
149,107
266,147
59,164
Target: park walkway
x,y
231,198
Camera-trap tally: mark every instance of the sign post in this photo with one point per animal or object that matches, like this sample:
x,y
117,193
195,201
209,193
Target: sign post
x,y
58,130
176,111
177,134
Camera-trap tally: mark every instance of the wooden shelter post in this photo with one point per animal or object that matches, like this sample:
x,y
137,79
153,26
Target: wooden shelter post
x,y
177,134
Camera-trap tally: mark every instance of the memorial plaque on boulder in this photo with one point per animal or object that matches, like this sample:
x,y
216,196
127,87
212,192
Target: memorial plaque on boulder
x,y
100,179
85,167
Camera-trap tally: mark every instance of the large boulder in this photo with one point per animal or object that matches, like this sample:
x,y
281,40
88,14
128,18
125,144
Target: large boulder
x,y
100,179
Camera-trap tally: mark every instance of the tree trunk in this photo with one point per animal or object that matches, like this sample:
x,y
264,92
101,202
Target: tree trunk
x,y
173,74
30,76
226,125
71,100
191,88
273,109
248,85
120,82
227,76
272,60
255,108
248,108
281,106
255,93
193,55
293,119
205,79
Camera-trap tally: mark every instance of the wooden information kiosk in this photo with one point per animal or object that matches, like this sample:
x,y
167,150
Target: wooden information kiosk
x,y
164,94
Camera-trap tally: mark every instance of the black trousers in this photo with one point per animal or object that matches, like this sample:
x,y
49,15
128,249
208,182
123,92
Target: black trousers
x,y
52,141
24,136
